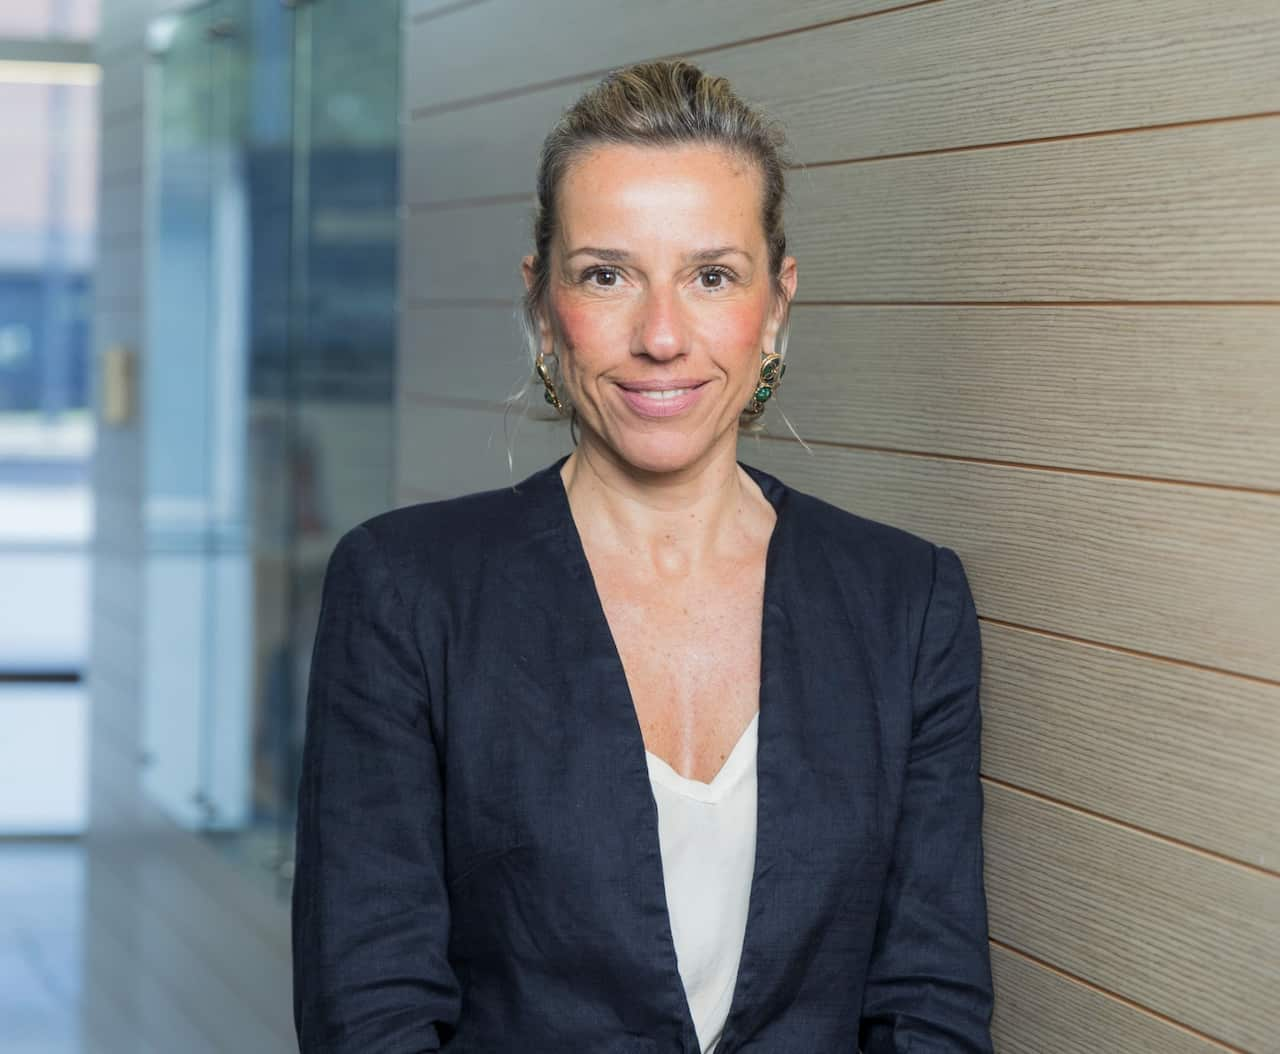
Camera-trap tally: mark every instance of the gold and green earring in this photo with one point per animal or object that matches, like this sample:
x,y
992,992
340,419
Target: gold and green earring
x,y
772,369
549,394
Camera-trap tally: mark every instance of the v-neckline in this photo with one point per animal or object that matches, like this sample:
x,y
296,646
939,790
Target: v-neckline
x,y
712,791
775,492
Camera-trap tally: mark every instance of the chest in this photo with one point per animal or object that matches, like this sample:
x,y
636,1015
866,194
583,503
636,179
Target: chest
x,y
690,651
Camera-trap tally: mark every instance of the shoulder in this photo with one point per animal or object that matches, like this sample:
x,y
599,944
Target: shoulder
x,y
430,538
880,554
852,530
885,575
905,591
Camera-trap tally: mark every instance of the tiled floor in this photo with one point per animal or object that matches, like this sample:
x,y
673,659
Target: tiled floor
x,y
41,916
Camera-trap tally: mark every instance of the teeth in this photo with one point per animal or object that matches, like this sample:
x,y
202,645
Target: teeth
x,y
670,393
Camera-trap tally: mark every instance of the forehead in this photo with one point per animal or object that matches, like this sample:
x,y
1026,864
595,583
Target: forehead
x,y
691,192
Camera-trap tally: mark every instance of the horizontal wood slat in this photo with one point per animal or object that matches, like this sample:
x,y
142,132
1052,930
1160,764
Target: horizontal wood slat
x,y
1174,214
1184,752
881,86
483,49
1171,392
464,352
1038,1009
482,260
1177,393
1182,933
449,452
972,71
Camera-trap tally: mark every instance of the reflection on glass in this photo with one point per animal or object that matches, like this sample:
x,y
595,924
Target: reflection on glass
x,y
273,168
48,196
198,603
347,160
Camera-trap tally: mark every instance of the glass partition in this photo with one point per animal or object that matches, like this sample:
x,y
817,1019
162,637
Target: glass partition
x,y
345,208
273,188
48,226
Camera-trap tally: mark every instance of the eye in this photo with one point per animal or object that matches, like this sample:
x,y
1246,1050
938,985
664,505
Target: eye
x,y
715,277
603,277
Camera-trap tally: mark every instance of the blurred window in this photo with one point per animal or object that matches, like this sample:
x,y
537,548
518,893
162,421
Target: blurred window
x,y
48,205
65,19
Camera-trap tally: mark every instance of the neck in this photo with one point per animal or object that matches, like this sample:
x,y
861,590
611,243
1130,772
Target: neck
x,y
662,523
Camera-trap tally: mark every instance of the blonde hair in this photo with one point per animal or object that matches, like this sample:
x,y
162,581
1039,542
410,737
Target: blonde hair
x,y
664,103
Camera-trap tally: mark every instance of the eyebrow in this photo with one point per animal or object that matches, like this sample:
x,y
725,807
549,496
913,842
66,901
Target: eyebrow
x,y
622,256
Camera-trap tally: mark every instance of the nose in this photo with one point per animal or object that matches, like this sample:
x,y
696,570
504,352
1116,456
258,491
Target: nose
x,y
661,328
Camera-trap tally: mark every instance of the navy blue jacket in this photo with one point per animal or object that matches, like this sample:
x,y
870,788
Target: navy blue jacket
x,y
478,866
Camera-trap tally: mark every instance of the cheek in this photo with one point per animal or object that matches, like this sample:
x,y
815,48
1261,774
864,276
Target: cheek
x,y
737,329
587,331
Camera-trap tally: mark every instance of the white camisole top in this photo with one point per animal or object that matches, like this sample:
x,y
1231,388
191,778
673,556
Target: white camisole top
x,y
707,832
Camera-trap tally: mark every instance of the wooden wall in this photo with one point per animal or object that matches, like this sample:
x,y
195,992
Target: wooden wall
x,y
1038,318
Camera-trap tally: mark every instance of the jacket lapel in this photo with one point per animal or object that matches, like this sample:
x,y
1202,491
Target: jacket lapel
x,y
819,829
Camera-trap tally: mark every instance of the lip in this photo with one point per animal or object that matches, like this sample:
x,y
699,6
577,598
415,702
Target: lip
x,y
648,406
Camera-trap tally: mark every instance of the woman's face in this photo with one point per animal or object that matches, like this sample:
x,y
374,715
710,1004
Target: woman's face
x,y
659,282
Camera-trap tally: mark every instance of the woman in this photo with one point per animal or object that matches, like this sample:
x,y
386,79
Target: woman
x,y
649,752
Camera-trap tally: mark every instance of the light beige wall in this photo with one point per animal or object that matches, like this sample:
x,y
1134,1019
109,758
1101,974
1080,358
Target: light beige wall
x,y
1038,321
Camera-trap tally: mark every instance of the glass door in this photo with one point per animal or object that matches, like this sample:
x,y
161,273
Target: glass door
x,y
346,200
273,164
197,593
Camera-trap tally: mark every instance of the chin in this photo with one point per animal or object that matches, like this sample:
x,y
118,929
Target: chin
x,y
660,453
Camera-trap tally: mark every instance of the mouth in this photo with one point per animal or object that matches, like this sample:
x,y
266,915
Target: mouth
x,y
660,399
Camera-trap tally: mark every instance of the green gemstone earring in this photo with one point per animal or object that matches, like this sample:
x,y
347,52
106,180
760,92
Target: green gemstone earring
x,y
772,370
549,393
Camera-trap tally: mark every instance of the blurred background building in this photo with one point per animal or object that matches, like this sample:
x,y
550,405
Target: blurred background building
x,y
258,260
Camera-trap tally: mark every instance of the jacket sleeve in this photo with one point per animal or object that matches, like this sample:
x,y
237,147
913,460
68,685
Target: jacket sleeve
x,y
929,987
370,912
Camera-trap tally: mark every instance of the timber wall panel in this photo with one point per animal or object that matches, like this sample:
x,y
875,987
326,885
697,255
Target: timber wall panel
x,y
1183,933
1044,1011
1187,752
877,86
1167,214
490,48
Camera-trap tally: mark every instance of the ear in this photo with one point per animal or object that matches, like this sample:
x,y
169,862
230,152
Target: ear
x,y
787,279
544,330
